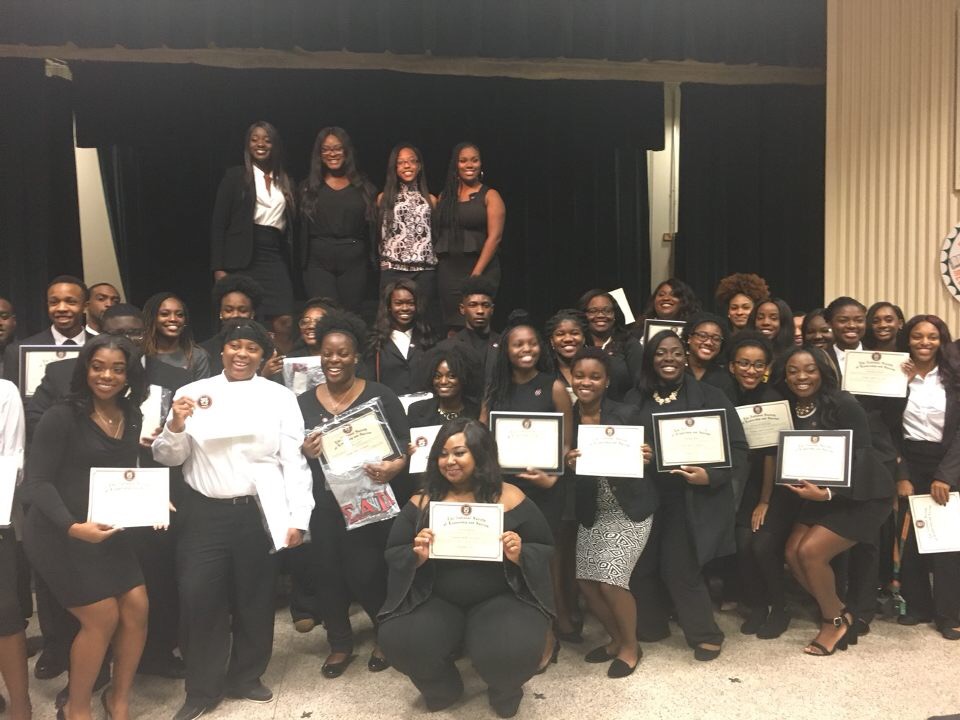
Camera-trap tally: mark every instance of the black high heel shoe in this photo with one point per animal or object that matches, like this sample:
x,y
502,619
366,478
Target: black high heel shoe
x,y
553,657
842,642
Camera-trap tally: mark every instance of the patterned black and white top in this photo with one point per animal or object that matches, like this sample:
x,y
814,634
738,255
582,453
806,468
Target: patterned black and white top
x,y
407,243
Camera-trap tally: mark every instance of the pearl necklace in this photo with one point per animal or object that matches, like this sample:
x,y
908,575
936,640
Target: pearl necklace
x,y
806,409
668,399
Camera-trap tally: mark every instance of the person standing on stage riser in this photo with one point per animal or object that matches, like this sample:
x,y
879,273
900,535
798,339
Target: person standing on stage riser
x,y
337,218
468,225
251,231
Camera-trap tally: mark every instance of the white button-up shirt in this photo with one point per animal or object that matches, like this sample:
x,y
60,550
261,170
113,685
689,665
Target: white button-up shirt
x,y
926,409
270,206
59,338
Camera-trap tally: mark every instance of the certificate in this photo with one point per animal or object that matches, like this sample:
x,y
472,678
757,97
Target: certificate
x,y
871,372
9,469
151,409
528,440
763,422
937,527
222,413
357,437
610,450
697,438
621,299
652,327
34,360
302,373
129,497
466,531
410,399
422,440
822,457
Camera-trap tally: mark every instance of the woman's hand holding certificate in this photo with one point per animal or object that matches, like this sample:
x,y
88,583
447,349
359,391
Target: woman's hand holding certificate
x,y
467,531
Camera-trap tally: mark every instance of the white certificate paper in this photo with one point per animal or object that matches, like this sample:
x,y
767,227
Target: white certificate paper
x,y
272,500
466,531
685,439
34,360
610,450
422,440
871,372
528,440
129,497
621,299
763,422
9,469
302,373
937,526
221,413
820,457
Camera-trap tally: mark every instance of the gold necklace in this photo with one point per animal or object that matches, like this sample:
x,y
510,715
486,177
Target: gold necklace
x,y
668,399
450,414
806,409
338,404
114,433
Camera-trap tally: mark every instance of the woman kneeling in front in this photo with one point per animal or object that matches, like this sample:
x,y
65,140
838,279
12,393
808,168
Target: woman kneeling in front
x,y
496,612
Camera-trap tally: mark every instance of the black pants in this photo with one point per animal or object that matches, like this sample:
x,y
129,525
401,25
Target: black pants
x,y
300,564
351,566
426,281
504,638
156,552
669,562
227,583
943,602
337,268
760,554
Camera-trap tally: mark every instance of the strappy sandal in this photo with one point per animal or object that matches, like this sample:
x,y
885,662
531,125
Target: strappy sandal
x,y
841,644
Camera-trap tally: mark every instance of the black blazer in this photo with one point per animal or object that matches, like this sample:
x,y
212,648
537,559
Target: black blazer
x,y
389,367
637,496
11,355
231,227
948,470
483,358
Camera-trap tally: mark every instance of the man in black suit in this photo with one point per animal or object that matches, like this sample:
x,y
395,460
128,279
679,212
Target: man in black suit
x,y
101,297
478,342
66,299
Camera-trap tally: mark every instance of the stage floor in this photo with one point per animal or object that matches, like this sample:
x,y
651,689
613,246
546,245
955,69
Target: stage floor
x,y
752,679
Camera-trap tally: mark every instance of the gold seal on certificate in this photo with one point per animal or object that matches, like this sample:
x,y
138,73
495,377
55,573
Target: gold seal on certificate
x,y
466,531
528,440
129,497
9,469
821,457
359,436
937,527
763,422
610,450
871,372
34,360
652,327
698,437
422,440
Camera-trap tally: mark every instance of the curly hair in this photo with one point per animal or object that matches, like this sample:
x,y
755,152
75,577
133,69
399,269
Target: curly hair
x,y
236,283
344,322
567,315
486,481
749,284
459,366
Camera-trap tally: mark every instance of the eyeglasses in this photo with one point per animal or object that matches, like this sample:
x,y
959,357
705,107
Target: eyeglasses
x,y
7,315
707,337
596,312
756,364
331,149
404,162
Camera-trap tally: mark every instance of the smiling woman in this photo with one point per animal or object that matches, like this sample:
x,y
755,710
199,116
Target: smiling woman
x,y
169,337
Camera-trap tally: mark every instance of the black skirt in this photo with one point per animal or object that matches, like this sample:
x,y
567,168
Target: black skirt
x,y
857,520
270,268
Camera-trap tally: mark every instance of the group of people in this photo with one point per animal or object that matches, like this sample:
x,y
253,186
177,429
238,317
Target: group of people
x,y
335,232
196,599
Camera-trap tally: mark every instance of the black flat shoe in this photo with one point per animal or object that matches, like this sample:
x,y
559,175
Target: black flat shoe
x,y
950,633
334,670
775,625
571,637
254,692
619,669
599,655
705,654
48,666
377,664
755,620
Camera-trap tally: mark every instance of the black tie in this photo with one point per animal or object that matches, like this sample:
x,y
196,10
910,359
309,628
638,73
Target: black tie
x,y
68,341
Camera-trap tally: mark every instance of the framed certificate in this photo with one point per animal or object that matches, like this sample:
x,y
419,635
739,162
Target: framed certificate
x,y
528,440
357,437
302,373
422,440
871,372
937,527
763,422
129,497
822,457
610,450
466,531
698,437
652,327
34,360
9,470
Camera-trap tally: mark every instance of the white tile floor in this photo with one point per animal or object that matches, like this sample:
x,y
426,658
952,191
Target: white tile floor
x,y
895,672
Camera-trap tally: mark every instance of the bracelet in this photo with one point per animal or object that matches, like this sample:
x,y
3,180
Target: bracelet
x,y
829,495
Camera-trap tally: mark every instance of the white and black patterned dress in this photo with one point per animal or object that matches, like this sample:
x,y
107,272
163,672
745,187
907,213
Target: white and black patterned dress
x,y
407,242
608,551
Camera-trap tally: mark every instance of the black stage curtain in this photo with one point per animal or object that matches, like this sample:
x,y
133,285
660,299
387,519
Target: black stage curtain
x,y
751,188
39,220
568,158
772,32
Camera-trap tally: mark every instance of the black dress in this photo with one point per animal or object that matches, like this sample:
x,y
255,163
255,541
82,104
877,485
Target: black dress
x,y
536,395
424,413
458,255
65,447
